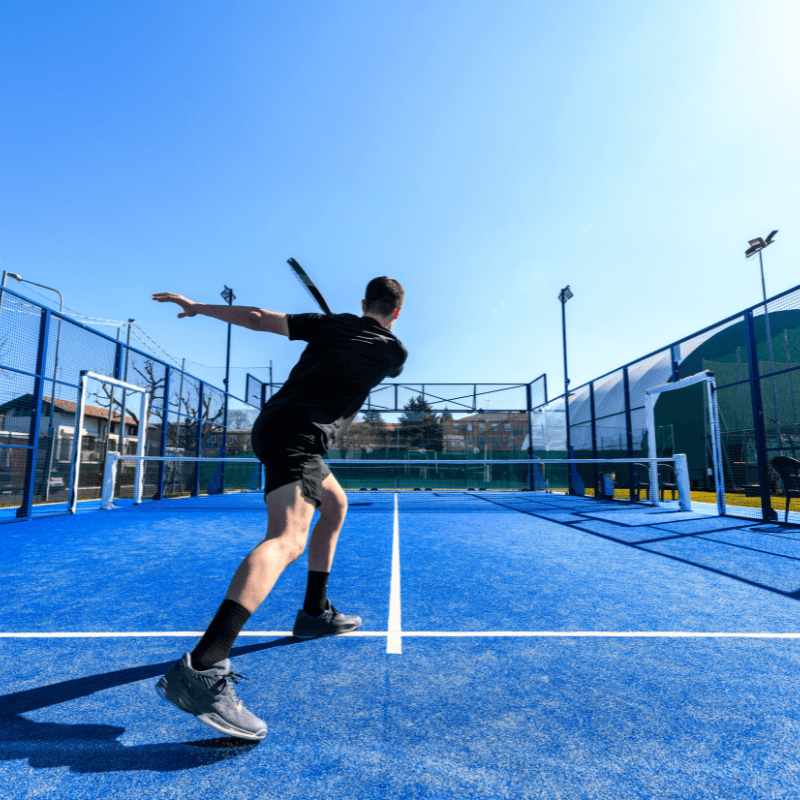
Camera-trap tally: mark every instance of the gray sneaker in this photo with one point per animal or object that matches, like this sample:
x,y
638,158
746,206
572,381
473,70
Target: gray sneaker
x,y
329,623
210,696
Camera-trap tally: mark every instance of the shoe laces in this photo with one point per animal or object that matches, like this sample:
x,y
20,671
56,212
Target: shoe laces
x,y
225,687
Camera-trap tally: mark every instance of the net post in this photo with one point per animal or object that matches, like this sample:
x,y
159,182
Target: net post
x,y
684,487
140,450
109,480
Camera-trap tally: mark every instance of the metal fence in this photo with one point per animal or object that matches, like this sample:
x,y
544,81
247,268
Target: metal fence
x,y
42,354
437,420
755,357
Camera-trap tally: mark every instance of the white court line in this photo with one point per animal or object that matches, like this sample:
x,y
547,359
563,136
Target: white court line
x,y
422,634
394,641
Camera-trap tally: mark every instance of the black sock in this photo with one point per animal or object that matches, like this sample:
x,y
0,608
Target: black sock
x,y
221,634
316,593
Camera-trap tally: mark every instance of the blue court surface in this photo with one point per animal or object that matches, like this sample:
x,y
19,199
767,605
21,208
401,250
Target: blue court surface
x,y
551,654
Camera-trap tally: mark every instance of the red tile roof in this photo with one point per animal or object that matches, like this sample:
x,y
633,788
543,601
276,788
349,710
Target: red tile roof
x,y
88,411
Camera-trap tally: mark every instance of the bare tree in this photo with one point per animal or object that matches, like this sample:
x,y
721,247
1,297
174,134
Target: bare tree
x,y
239,419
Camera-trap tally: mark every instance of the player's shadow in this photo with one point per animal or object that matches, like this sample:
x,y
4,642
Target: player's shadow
x,y
88,748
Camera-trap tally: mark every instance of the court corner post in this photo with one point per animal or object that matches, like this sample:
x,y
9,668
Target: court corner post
x,y
684,486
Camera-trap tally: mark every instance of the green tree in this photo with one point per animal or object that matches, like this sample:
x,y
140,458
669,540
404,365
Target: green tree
x,y
378,432
420,427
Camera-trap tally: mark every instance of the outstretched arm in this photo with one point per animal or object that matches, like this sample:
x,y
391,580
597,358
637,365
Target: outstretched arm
x,y
257,319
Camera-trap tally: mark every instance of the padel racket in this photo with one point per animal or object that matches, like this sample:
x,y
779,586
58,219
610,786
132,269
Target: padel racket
x,y
309,286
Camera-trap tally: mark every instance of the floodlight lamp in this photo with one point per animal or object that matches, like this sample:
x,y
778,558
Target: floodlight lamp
x,y
755,246
565,295
770,237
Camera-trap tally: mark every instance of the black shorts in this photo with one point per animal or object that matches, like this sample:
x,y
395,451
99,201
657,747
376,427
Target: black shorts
x,y
291,448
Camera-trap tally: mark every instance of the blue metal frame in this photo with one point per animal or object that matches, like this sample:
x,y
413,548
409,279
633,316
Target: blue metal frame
x,y
758,418
25,511
162,450
199,442
596,471
528,402
462,408
629,431
676,364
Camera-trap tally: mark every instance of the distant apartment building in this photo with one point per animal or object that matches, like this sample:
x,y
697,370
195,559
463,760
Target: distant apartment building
x,y
238,441
487,432
98,425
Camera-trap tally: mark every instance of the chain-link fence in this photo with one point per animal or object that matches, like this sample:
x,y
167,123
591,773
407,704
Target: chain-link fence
x,y
754,355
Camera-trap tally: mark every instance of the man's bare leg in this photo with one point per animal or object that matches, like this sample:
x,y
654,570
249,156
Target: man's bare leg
x,y
322,547
289,515
332,511
199,683
318,617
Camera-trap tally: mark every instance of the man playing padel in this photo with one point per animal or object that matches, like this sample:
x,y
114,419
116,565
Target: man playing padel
x,y
346,357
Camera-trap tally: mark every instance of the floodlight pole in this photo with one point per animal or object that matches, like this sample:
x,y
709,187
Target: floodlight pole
x,y
228,296
563,296
757,245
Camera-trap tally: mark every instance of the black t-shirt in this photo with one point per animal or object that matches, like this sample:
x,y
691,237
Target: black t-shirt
x,y
346,357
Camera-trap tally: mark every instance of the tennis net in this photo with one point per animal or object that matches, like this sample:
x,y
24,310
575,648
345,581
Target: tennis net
x,y
468,485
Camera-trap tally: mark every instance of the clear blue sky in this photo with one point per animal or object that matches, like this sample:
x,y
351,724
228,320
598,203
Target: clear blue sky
x,y
485,154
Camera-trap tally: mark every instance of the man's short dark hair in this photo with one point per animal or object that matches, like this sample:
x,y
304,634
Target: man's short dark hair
x,y
383,296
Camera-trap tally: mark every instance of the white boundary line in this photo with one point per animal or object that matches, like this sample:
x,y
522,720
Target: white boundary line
x,y
394,642
422,634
